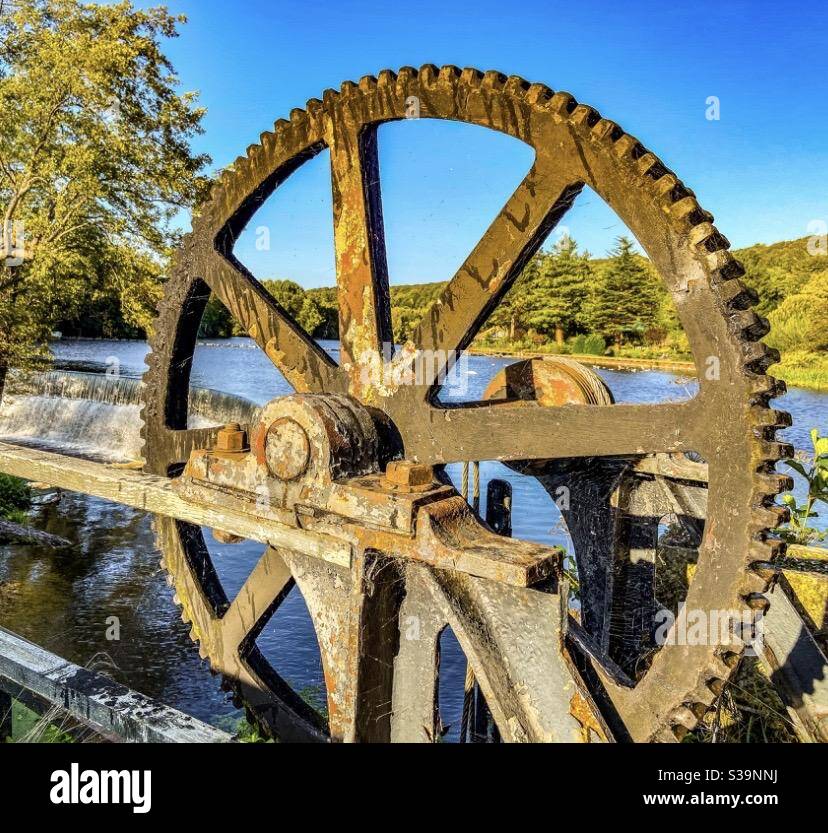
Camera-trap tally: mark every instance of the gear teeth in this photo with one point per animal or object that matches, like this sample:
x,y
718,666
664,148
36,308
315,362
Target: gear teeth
x,y
585,116
773,484
405,77
758,357
562,104
607,131
699,709
493,80
515,85
649,165
428,74
679,731
687,209
538,94
471,76
732,270
716,686
771,451
731,659
682,716
314,107
280,125
736,295
688,218
763,388
699,236
749,325
769,516
717,260
450,73
767,549
624,147
757,601
387,78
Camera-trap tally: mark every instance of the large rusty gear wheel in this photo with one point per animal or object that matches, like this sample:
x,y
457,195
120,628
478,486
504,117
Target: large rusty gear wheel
x,y
502,629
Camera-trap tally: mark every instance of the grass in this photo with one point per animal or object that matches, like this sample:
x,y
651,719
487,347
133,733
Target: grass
x,y
801,369
30,727
748,711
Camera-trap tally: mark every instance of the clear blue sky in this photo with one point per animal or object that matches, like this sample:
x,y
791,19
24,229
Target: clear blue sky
x,y
762,169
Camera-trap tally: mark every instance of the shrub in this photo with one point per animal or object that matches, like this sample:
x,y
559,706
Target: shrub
x,y
594,345
15,496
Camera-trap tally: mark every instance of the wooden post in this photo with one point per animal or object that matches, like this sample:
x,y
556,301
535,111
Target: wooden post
x,y
499,507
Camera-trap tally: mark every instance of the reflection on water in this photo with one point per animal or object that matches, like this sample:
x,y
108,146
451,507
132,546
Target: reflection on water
x,y
61,600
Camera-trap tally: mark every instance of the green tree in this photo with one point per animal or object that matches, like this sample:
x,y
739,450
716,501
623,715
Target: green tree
x,y
296,302
800,322
624,300
515,307
555,296
216,321
95,163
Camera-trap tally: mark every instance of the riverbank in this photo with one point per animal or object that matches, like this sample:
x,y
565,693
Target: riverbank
x,y
798,370
610,362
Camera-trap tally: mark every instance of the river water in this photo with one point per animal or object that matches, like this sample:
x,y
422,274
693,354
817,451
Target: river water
x,y
64,600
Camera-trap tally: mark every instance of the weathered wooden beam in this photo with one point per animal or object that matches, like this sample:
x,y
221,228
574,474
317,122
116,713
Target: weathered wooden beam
x,y
96,700
157,494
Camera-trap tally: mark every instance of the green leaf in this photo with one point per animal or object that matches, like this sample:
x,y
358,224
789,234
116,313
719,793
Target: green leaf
x,y
798,467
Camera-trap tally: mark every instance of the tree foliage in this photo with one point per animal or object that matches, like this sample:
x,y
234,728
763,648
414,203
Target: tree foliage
x,y
557,294
625,298
800,322
95,163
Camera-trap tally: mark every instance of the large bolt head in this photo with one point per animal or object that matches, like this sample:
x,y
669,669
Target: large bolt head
x,y
287,449
409,477
231,438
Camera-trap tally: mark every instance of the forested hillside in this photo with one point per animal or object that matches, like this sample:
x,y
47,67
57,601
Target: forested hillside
x,y
564,301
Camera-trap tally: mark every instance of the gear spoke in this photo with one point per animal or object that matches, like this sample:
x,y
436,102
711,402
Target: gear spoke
x,y
517,232
261,593
361,268
528,432
303,363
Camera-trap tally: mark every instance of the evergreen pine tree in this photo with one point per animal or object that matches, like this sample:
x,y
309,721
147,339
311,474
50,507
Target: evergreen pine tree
x,y
625,298
556,296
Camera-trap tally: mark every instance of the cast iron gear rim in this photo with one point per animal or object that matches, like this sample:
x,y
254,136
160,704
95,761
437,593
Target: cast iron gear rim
x,y
742,450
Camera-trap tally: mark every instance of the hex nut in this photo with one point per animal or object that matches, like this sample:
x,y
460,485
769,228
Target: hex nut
x,y
231,438
409,477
